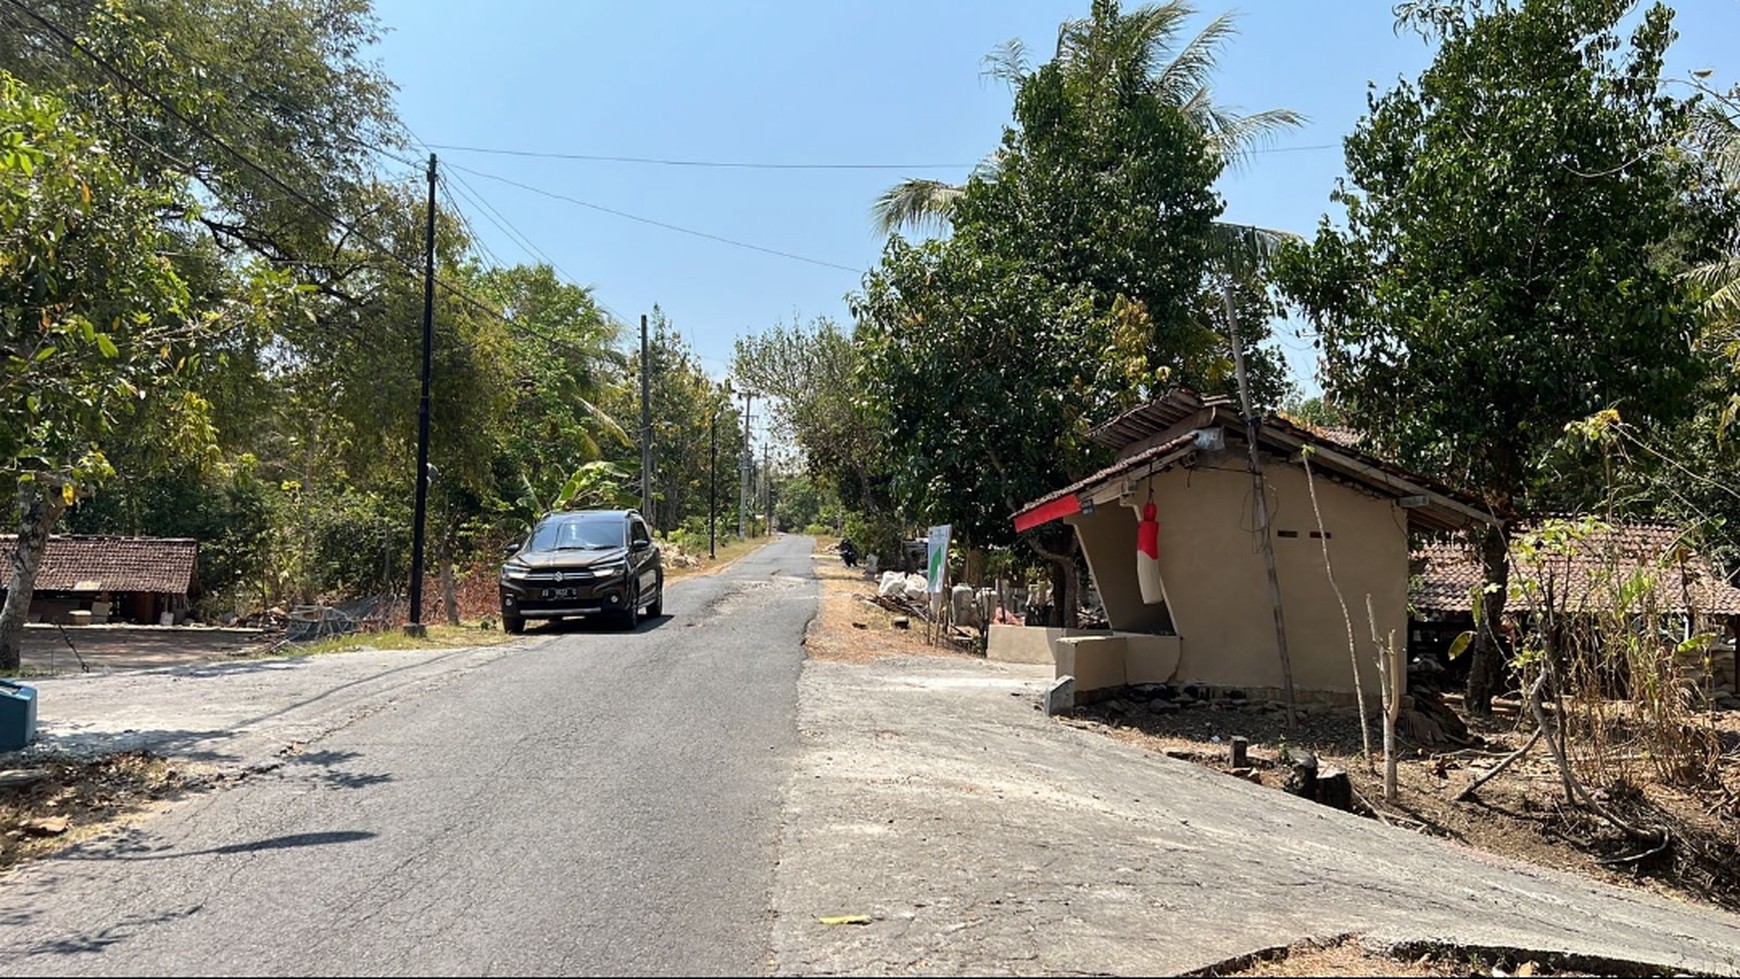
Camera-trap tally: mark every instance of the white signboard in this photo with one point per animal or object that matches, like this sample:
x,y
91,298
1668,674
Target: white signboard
x,y
939,556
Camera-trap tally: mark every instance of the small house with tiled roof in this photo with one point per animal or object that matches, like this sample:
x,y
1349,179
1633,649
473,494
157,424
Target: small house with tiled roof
x,y
1689,587
118,579
1210,621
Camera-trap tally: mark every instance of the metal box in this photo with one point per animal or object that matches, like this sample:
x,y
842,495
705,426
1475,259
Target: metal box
x,y
17,715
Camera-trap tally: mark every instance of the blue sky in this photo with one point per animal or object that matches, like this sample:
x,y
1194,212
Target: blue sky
x,y
885,82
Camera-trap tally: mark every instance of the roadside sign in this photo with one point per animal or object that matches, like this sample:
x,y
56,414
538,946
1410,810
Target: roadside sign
x,y
939,556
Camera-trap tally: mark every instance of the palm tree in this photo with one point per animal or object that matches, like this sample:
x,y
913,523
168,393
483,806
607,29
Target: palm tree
x,y
1139,47
1719,132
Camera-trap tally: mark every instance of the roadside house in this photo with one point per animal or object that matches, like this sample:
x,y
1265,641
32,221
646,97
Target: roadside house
x,y
1213,622
113,579
1689,590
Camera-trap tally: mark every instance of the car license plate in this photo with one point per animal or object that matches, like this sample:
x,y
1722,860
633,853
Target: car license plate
x,y
561,592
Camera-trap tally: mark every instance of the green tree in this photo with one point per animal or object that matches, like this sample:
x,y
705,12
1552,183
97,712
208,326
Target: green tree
x,y
1077,280
1516,229
1142,49
992,376
684,400
284,82
809,371
95,320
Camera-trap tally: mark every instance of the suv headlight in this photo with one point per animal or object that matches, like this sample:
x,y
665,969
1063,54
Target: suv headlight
x,y
514,572
610,570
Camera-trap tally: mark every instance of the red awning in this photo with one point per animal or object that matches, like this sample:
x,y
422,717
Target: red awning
x,y
1046,512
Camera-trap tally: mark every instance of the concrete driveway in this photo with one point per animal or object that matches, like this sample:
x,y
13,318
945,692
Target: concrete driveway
x,y
984,838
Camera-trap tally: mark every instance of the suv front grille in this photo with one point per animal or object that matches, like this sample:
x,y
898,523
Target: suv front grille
x,y
543,576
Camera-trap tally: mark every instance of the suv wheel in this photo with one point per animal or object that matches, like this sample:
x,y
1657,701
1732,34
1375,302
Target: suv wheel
x,y
513,625
657,608
631,614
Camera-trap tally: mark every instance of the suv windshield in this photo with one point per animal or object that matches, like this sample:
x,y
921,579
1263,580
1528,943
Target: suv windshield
x,y
591,531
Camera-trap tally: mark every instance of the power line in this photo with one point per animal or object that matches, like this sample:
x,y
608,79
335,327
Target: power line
x,y
506,227
522,238
710,164
477,240
656,223
769,165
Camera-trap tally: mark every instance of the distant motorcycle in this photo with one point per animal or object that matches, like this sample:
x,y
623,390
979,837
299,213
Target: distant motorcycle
x,y
848,552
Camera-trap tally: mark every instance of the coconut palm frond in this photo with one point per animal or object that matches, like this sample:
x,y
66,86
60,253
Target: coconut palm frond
x,y
1189,71
916,204
1720,282
1007,62
990,166
1148,31
1725,155
1248,243
1234,136
610,425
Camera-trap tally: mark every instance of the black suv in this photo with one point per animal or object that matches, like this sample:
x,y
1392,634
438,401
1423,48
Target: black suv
x,y
583,562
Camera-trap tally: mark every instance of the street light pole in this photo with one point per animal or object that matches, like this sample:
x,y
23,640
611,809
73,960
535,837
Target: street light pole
x,y
745,461
713,487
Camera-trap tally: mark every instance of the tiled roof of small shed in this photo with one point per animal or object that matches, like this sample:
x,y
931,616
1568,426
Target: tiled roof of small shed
x,y
1449,572
162,565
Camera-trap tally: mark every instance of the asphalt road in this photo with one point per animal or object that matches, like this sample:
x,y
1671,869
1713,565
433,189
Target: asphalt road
x,y
599,802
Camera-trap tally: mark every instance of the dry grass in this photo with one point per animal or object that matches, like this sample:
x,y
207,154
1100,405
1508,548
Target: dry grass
x,y
75,799
1346,956
480,632
1343,958
728,549
849,628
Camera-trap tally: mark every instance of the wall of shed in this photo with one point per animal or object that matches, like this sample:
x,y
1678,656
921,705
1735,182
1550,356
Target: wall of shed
x,y
1217,588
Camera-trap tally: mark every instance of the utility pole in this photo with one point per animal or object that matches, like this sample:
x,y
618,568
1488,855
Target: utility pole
x,y
1262,496
767,482
745,459
415,625
713,486
645,424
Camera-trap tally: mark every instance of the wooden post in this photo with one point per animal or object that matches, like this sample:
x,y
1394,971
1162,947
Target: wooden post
x,y
1391,676
1262,496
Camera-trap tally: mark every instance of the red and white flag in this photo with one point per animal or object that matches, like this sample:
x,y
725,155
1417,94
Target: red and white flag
x,y
1148,555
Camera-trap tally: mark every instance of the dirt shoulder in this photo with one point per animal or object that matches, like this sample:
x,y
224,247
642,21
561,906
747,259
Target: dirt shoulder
x,y
850,628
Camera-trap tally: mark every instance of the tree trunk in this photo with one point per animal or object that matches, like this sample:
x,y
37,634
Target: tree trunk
x,y
1486,665
1065,581
39,506
449,594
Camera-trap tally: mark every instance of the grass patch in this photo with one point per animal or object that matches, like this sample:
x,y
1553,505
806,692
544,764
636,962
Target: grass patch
x,y
475,633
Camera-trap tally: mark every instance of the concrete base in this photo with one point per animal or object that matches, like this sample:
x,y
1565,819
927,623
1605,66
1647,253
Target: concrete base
x,y
1097,659
416,630
1060,696
1029,644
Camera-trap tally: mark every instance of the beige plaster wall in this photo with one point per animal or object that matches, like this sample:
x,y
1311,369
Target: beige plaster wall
x,y
1151,659
1217,588
1108,537
1096,662
1028,644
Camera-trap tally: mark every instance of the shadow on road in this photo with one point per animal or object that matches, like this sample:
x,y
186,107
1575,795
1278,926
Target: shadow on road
x,y
599,624
101,938
133,848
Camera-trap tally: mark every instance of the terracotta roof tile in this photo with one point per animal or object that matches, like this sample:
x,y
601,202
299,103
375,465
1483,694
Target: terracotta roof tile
x,y
138,564
1448,572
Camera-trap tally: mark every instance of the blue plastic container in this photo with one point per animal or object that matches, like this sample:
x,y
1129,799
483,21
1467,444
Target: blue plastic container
x,y
17,715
